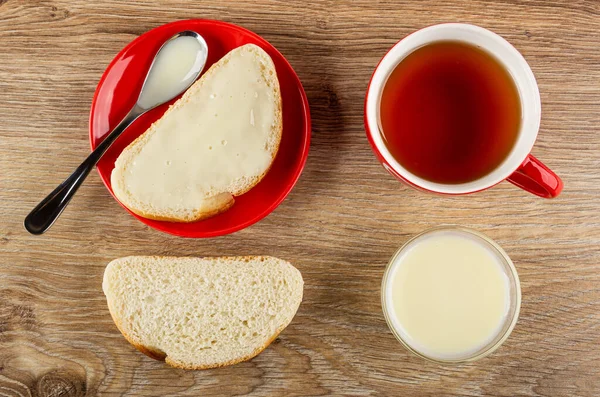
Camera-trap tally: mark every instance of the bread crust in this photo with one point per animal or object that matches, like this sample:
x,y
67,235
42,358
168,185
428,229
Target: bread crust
x,y
162,356
201,213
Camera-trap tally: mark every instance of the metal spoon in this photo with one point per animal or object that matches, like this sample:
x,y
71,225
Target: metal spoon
x,y
49,209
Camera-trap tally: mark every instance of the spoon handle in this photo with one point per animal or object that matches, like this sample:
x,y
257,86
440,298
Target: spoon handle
x,y
49,209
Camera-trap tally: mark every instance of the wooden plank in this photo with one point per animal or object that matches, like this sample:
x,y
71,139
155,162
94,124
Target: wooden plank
x,y
339,226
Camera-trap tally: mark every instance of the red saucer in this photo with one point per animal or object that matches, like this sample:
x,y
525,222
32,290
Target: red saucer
x,y
117,92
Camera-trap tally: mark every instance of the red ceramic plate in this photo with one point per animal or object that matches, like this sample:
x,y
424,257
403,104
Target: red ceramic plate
x,y
118,90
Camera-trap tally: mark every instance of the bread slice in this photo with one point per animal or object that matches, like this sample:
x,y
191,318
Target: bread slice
x,y
198,313
216,142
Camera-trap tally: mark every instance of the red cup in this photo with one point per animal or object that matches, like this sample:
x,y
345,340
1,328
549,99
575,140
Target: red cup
x,y
519,167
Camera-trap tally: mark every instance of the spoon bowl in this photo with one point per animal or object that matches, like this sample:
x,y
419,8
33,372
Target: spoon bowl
x,y
177,64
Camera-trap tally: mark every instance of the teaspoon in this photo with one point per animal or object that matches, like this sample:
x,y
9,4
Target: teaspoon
x,y
173,70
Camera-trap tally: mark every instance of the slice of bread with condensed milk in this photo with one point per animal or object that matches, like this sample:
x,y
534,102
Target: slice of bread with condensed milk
x,y
198,313
216,142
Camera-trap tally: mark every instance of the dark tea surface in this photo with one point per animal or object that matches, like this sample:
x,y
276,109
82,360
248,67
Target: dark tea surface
x,y
450,113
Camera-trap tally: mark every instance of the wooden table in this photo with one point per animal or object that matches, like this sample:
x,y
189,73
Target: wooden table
x,y
339,226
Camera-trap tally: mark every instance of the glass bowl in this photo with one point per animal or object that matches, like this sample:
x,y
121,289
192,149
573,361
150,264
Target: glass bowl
x,y
514,295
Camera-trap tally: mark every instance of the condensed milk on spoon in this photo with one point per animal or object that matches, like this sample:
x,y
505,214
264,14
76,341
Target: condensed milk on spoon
x,y
451,295
173,71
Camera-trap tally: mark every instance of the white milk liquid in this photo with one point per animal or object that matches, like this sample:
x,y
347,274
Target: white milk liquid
x,y
173,70
447,295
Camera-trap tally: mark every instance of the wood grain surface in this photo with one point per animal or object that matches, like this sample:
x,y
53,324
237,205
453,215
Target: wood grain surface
x,y
339,226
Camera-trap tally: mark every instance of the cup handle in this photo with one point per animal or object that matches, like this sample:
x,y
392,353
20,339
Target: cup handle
x,y
533,176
